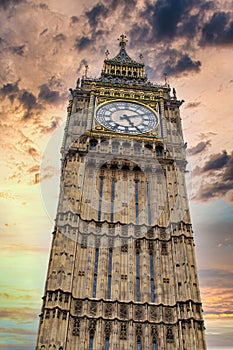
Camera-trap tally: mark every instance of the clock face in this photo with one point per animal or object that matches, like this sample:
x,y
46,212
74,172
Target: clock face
x,y
126,117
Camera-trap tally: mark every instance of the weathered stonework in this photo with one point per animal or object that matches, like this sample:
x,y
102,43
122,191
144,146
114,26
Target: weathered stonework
x,y
122,272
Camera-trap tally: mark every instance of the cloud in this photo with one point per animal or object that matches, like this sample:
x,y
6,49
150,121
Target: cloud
x,y
26,98
59,37
20,247
181,65
29,102
192,105
7,3
48,95
74,19
216,161
216,176
96,13
33,152
15,330
218,31
54,124
82,43
217,291
18,50
200,147
34,169
9,90
20,315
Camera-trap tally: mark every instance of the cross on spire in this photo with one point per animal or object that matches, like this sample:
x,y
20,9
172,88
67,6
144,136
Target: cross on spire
x,y
123,41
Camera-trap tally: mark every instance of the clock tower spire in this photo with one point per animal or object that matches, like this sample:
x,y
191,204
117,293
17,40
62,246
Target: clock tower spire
x,y
122,271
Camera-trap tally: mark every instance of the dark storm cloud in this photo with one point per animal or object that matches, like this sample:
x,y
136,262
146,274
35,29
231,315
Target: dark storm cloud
x,y
182,65
82,43
170,18
216,161
200,147
9,90
218,31
47,95
7,3
217,177
228,174
28,100
189,27
18,50
96,13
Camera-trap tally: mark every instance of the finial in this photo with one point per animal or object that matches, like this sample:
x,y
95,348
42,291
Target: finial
x,y
86,70
165,78
174,93
141,57
123,41
107,53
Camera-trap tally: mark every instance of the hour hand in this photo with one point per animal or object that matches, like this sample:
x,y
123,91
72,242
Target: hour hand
x,y
125,116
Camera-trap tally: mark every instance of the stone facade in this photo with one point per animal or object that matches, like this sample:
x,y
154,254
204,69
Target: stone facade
x,y
122,272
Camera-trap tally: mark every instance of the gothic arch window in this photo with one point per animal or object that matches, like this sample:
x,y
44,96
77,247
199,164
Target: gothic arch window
x,y
107,343
139,347
93,144
91,341
159,150
148,146
148,203
112,200
109,274
154,344
100,197
95,272
115,147
137,202
137,148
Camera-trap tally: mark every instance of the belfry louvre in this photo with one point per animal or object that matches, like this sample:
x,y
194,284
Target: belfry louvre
x,y
122,272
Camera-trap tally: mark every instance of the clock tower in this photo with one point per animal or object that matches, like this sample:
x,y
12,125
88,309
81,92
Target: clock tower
x,y
122,271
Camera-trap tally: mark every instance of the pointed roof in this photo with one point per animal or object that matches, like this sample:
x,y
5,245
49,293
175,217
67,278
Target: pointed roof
x,y
122,57
122,66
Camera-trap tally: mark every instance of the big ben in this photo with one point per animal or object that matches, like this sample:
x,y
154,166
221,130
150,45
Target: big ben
x,y
122,271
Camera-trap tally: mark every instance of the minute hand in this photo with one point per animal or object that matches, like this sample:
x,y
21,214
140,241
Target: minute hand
x,y
131,123
126,116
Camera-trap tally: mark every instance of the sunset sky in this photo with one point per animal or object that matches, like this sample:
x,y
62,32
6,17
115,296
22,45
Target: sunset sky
x,y
44,49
